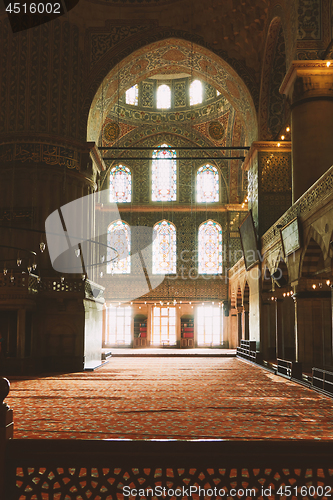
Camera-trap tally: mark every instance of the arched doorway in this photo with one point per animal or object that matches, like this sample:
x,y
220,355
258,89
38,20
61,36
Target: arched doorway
x,y
246,305
284,313
314,310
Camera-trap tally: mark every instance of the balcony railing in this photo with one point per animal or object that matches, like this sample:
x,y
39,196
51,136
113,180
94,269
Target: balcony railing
x,y
315,196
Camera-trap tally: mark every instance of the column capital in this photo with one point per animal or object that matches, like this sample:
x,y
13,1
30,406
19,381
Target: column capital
x,y
265,147
307,80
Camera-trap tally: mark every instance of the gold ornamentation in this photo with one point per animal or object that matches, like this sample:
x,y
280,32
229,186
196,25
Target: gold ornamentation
x,y
111,131
216,131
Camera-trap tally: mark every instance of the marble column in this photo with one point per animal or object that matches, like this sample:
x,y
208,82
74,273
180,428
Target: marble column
x,y
309,87
246,321
240,323
268,166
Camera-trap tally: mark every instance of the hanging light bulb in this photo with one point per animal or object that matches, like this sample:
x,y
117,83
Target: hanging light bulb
x,y
5,270
11,278
42,246
29,268
62,279
34,266
18,260
83,276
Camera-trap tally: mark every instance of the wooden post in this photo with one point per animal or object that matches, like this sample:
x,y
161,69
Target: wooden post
x,y
6,430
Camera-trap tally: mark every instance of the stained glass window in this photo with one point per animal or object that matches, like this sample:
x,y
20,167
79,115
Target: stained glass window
x,y
207,184
164,248
120,184
163,98
195,92
119,239
210,248
164,175
132,95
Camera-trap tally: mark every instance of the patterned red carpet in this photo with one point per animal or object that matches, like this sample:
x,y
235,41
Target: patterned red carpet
x,y
177,398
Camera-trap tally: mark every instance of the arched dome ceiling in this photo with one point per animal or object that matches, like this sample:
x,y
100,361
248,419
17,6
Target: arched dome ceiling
x,y
168,57
214,122
236,27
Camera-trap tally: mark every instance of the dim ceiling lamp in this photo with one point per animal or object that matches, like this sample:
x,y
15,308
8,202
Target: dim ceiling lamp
x,y
22,253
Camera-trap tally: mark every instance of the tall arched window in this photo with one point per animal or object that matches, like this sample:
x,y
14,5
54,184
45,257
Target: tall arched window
x,y
163,97
164,175
120,184
210,248
207,184
119,239
164,248
132,95
195,92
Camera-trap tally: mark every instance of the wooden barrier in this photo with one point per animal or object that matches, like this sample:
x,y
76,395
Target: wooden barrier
x,y
289,369
322,380
247,350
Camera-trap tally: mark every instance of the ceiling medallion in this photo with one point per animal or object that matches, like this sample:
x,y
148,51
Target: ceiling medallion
x,y
216,131
111,131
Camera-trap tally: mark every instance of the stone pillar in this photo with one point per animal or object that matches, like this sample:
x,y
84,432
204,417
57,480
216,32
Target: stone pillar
x,y
149,324
21,333
246,321
278,328
309,87
240,324
178,325
268,164
268,327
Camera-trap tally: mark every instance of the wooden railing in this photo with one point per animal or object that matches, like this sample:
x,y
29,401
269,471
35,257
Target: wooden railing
x,y
322,380
247,350
289,369
105,470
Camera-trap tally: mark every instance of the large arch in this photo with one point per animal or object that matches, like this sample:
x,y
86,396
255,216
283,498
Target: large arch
x,y
313,259
271,82
172,56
